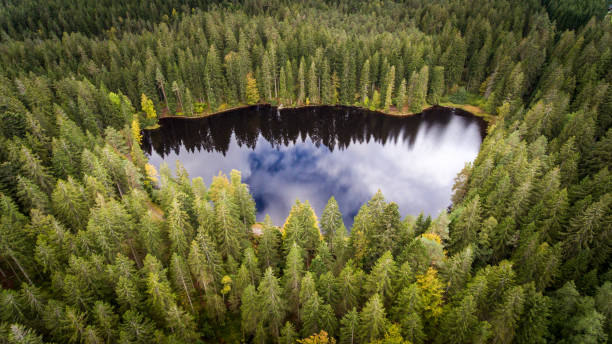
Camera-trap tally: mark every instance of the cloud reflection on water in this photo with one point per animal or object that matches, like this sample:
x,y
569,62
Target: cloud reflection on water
x,y
414,166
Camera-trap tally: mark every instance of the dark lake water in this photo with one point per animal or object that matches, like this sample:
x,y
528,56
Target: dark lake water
x,y
314,153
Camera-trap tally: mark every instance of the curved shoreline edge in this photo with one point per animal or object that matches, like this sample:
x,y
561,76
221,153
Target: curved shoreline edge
x,y
473,110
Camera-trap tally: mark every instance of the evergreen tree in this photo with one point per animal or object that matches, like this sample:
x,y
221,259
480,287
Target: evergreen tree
x,y
292,278
349,332
272,305
400,100
331,220
313,84
390,79
437,86
364,82
372,320
301,228
301,82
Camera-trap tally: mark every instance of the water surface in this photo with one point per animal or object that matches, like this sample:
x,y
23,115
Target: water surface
x,y
316,152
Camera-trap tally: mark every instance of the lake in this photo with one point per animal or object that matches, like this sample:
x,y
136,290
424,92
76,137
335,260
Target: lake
x,y
313,153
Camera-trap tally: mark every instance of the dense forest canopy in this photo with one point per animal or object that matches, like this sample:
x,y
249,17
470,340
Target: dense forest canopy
x,y
96,246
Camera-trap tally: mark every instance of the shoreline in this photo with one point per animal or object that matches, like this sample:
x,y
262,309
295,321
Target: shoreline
x,y
474,110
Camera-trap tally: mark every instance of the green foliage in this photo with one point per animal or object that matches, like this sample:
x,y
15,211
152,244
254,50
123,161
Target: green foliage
x,y
95,247
252,94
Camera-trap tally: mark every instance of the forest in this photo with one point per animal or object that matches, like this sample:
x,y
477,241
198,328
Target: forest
x,y
98,246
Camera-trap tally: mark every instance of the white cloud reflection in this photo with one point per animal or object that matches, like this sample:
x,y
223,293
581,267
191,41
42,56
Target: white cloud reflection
x,y
417,176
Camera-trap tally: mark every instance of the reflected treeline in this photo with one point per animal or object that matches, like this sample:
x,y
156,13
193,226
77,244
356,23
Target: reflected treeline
x,y
335,127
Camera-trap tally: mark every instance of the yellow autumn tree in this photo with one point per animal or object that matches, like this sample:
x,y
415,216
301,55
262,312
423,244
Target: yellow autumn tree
x,y
318,338
147,106
251,89
136,136
431,293
152,175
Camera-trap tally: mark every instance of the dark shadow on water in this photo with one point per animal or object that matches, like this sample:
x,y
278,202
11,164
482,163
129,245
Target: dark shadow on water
x,y
316,152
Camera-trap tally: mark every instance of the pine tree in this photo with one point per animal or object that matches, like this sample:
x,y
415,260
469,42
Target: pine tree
x,y
400,100
14,246
135,328
272,305
381,278
460,325
331,220
313,84
364,82
372,320
390,79
301,82
436,88
292,278
301,228
418,89
249,310
327,95
213,78
349,287
282,84
179,228
228,234
159,78
177,91
205,263
181,278
288,334
188,109
243,201
349,331
252,265
407,312
269,246
266,72
505,319
464,228
69,203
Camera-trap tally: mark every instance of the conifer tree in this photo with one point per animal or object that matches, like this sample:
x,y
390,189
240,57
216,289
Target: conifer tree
x,y
313,84
390,79
380,280
272,305
228,233
181,278
69,203
327,94
418,89
292,278
372,320
436,88
249,310
301,82
269,246
349,286
464,229
282,85
331,220
301,228
400,100
364,81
